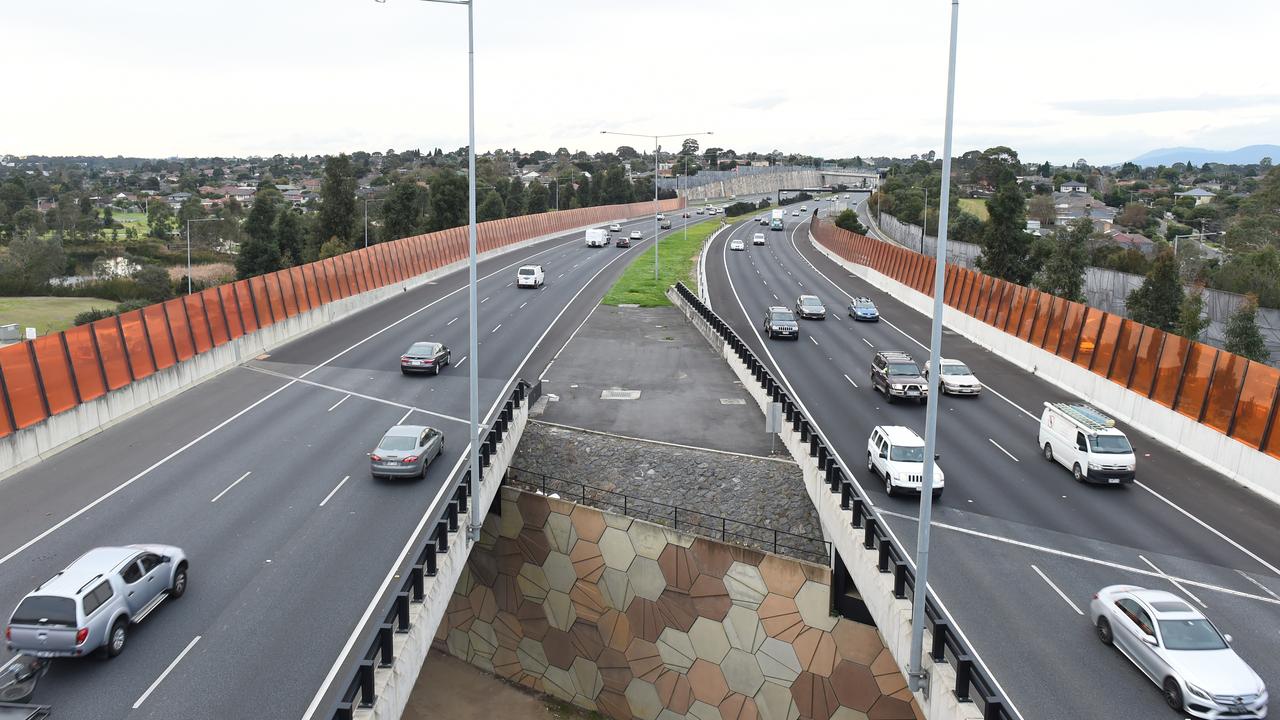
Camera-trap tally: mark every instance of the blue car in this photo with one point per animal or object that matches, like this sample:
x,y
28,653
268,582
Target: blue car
x,y
863,309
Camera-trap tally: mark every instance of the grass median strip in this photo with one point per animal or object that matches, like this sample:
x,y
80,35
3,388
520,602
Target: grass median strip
x,y
677,261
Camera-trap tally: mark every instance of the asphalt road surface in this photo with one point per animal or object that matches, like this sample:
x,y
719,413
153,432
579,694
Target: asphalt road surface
x,y
1018,548
261,475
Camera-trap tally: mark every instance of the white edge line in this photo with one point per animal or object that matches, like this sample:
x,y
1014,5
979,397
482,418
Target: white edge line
x,y
335,490
1058,590
405,416
851,382
228,488
1001,449
815,340
868,342
166,672
344,399
877,511
451,322
1261,587
495,328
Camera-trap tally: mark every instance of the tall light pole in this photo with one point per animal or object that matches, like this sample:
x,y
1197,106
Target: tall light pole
x,y
366,218
924,222
473,375
656,150
189,221
917,677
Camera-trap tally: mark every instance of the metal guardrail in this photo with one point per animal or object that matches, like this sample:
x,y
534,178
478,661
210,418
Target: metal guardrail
x,y
446,519
729,530
972,684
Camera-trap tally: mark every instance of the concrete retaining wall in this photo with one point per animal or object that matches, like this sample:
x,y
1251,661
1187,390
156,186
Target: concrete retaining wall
x,y
1253,469
754,184
33,444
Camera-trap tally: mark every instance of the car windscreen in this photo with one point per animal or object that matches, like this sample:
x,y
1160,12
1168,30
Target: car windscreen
x,y
526,271
810,302
955,369
907,454
45,610
782,316
1110,444
864,305
1195,634
422,349
397,442
904,369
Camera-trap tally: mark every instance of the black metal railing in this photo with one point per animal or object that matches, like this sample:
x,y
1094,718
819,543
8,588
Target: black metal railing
x,y
972,683
445,519
697,522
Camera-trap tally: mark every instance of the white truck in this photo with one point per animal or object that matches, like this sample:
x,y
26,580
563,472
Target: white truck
x,y
1087,442
597,237
775,218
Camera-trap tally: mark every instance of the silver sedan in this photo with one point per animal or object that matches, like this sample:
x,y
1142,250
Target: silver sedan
x,y
406,451
1180,651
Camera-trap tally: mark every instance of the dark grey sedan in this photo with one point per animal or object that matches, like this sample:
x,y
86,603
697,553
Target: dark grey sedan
x,y
406,451
424,357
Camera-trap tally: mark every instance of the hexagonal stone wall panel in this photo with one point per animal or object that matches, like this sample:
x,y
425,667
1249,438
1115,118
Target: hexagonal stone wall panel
x,y
857,642
674,691
855,686
709,640
646,620
586,639
707,682
559,650
710,597
586,677
533,545
742,672
814,602
533,508
702,711
678,567
646,578
814,696
615,548
647,539
615,670
816,651
587,562
615,588
780,617
615,630
511,522
643,698
745,585
677,609
533,582
559,609
774,702
782,576
587,601
778,661
743,628
558,682
588,522
845,713
560,533
613,704
559,571
532,657
676,650
738,707
646,661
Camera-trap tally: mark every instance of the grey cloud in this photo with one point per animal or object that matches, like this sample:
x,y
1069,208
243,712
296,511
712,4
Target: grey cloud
x,y
1141,106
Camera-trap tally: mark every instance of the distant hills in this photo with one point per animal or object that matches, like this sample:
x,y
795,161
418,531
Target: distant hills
x,y
1200,156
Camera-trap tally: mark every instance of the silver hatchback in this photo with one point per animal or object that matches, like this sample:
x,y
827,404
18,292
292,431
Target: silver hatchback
x,y
406,451
92,603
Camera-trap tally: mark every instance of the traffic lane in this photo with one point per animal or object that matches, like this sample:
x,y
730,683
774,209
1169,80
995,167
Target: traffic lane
x,y
1230,511
227,528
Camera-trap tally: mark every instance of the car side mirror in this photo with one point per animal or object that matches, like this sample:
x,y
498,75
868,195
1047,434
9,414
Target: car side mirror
x,y
165,558
937,456
1227,637
884,455
1149,639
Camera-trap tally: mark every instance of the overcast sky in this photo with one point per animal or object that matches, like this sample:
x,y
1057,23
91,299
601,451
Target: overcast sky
x,y
1100,79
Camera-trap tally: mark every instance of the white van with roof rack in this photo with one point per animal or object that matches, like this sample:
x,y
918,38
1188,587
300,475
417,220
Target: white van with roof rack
x,y
1087,442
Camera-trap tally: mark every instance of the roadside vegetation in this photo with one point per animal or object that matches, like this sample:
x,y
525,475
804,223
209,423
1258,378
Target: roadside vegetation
x,y
48,314
677,261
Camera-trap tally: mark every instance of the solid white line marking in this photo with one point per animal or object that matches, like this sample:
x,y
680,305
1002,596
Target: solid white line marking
x,y
495,329
851,382
336,489
1006,452
362,396
815,340
1175,582
1211,529
344,399
1084,558
405,416
459,363
166,672
1056,589
526,302
451,322
868,342
228,488
484,301
1264,588
560,276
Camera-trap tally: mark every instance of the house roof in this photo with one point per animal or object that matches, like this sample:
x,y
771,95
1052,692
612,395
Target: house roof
x,y
1136,240
1074,184
1195,192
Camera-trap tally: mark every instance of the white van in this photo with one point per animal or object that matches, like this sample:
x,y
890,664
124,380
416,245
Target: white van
x,y
1086,442
597,237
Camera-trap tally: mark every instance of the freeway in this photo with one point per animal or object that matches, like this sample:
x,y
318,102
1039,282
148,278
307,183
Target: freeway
x,y
261,475
1018,547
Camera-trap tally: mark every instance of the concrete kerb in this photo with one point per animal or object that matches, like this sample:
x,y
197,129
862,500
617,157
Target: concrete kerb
x,y
394,685
31,445
892,616
1247,466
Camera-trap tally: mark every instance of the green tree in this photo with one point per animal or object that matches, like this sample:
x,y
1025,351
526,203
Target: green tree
x,y
331,248
290,236
689,147
848,219
1243,336
338,201
615,189
1157,301
159,219
403,210
1006,245
1063,272
1192,321
191,209
514,199
32,260
1041,207
260,225
154,283
586,192
259,256
536,198
448,200
965,228
491,208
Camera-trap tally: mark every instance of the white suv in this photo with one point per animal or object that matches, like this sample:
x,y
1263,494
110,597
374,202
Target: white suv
x,y
757,239
896,455
529,276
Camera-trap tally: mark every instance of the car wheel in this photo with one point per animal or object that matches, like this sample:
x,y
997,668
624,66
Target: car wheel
x,y
888,485
179,583
937,495
1048,452
117,637
435,369
1076,473
1173,694
871,465
403,371
1104,631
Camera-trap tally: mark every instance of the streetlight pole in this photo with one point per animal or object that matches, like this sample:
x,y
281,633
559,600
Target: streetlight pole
x,y
924,222
189,221
917,677
656,149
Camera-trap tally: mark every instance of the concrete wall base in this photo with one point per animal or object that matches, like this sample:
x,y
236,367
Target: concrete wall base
x,y
1248,466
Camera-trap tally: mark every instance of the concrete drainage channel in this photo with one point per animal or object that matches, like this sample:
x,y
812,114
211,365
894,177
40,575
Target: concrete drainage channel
x,y
877,565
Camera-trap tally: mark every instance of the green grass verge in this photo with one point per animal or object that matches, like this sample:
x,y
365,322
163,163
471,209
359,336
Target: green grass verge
x,y
976,207
47,314
677,261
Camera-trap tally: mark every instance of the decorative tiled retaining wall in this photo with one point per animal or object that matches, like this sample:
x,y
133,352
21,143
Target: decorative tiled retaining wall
x,y
637,621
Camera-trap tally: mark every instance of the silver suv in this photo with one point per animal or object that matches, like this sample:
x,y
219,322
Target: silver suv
x,y
92,603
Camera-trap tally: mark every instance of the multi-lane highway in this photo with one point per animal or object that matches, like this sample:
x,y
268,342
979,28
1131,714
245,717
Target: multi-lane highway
x,y
261,475
1019,548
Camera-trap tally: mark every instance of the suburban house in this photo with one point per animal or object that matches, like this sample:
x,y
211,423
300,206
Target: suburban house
x,y
1073,187
1073,205
1201,195
1135,241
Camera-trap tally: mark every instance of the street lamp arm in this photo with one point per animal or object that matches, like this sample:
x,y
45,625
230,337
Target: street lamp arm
x,y
655,137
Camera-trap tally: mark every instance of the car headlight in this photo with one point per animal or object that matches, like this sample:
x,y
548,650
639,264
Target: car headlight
x,y
1198,692
1130,466
1094,466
